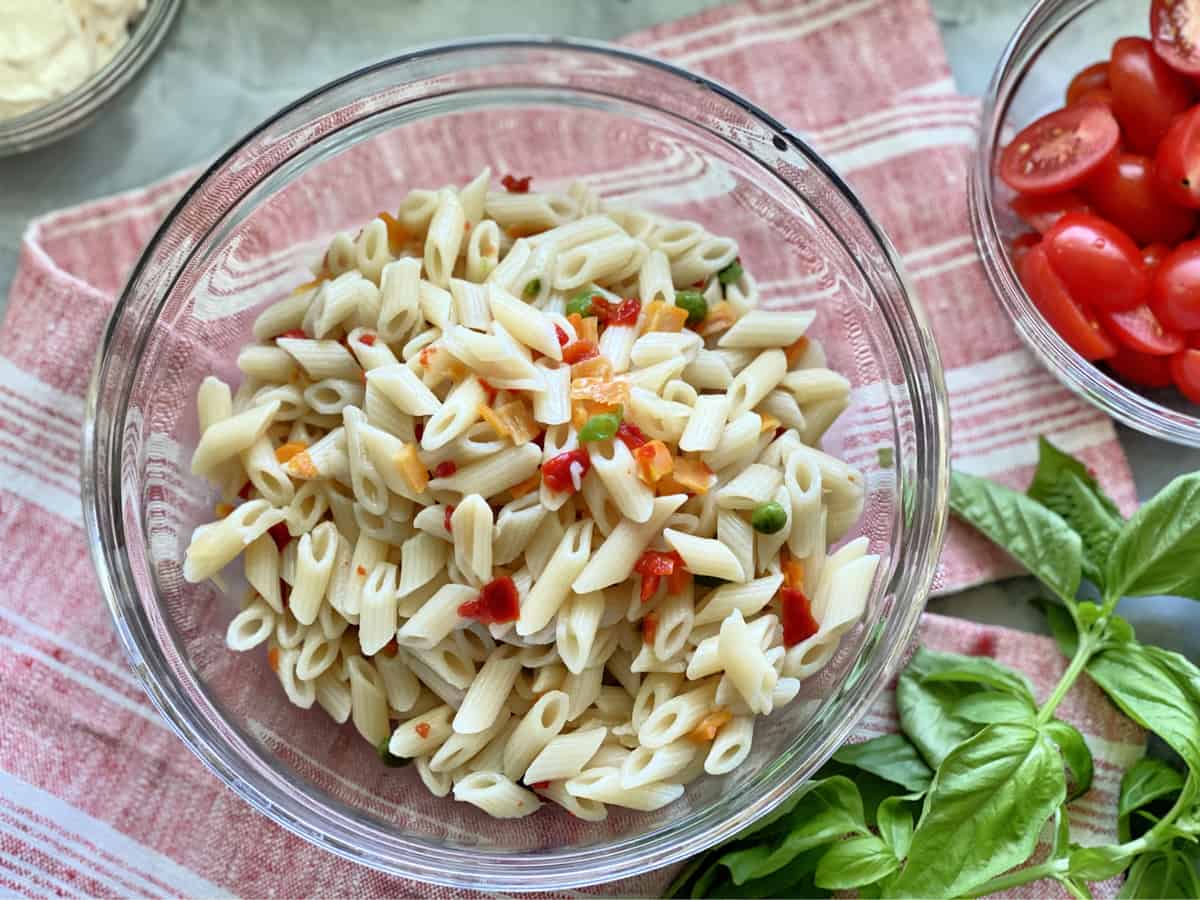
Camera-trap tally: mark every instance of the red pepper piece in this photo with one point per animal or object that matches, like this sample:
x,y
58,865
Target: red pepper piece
x,y
498,602
798,621
556,472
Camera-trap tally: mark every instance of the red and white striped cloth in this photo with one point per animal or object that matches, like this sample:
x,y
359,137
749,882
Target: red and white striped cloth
x,y
96,794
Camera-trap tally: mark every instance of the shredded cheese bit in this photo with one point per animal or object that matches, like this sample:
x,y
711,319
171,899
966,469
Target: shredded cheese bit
x,y
488,415
411,468
659,316
690,476
654,461
517,417
302,466
284,452
596,367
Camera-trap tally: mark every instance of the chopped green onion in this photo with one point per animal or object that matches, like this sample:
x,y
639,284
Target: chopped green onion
x,y
694,303
887,457
600,427
768,517
392,762
731,272
581,303
532,288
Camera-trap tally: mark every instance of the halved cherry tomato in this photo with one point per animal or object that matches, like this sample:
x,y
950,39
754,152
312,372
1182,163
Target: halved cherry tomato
x,y
1065,316
1139,329
1022,244
1147,93
1099,96
1094,76
1153,255
1175,292
1041,211
1100,265
1059,150
1175,28
1141,368
1125,191
1185,370
1178,160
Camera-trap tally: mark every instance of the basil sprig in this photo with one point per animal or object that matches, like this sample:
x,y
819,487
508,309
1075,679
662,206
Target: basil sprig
x,y
955,804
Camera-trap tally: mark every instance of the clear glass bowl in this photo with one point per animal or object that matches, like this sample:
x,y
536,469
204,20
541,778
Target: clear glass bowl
x,y
1057,39
639,131
74,110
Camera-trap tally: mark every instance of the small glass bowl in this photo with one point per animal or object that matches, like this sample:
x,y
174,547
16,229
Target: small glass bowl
x,y
1054,41
640,132
74,110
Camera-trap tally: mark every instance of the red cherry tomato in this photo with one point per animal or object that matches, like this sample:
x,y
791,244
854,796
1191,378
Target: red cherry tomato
x,y
1065,316
1094,76
1139,330
1178,160
1175,292
1021,245
1041,211
1098,262
1153,255
1173,25
1099,96
1185,370
1147,93
1141,368
1059,150
1125,191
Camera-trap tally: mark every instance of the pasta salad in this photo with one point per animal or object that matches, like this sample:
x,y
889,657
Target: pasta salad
x,y
528,489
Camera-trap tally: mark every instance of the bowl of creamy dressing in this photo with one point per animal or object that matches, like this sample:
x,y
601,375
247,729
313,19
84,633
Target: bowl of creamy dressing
x,y
61,60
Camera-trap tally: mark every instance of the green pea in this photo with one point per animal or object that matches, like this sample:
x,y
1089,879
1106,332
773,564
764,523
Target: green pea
x,y
768,517
392,762
533,287
581,303
694,303
731,272
600,427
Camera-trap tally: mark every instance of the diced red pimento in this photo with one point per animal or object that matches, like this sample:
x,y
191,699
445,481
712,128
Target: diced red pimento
x,y
244,493
653,565
798,621
419,430
498,602
631,435
578,351
516,185
445,469
368,339
297,333
446,518
422,730
562,336
540,785
280,534
624,313
563,472
650,627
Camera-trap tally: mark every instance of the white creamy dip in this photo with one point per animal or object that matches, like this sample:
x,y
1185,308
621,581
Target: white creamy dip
x,y
50,47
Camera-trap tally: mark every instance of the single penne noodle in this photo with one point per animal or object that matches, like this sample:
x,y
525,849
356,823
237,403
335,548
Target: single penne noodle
x,y
565,756
737,535
613,561
458,412
745,665
544,720
377,609
809,386
708,371
760,329
444,238
660,346
483,251
215,545
749,488
299,693
422,734
755,381
496,795
251,627
261,568
401,386
492,475
333,696
228,437
552,405
422,557
488,691
283,315
579,807
552,586
676,616
616,345
370,489
459,748
731,746
436,618
516,525
314,566
582,689
368,700
471,304
318,653
266,362
577,623
706,423
526,324
738,442
322,359
654,378
471,525
705,556
604,786
437,783
654,279
647,765
616,468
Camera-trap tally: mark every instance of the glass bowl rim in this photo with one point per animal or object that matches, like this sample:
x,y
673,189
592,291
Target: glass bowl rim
x,y
65,115
1077,374
626,856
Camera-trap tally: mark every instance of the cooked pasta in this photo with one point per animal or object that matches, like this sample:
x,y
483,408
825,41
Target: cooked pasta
x,y
487,467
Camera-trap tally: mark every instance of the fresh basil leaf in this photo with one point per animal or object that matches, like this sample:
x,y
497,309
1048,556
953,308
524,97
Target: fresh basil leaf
x,y
711,883
1161,873
1157,550
981,670
927,708
691,870
873,789
1062,833
1053,464
987,707
891,757
857,861
1144,782
1098,863
1075,753
1062,626
985,811
796,879
1062,484
895,821
1037,537
1138,681
826,813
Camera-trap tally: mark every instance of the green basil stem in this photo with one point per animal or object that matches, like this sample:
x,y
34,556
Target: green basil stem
x,y
1051,868
1088,645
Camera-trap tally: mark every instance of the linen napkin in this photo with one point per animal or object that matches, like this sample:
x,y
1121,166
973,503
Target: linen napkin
x,y
97,796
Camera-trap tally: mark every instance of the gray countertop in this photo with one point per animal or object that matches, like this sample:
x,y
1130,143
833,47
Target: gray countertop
x,y
227,64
